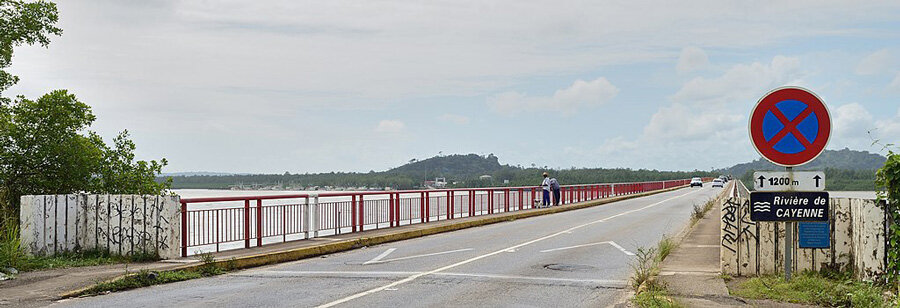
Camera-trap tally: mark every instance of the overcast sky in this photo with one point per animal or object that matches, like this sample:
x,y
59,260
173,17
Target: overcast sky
x,y
319,86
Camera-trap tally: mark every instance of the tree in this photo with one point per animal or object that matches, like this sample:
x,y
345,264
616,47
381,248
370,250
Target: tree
x,y
23,23
118,173
42,151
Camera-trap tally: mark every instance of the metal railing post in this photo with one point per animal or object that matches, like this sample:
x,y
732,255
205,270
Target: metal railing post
x,y
306,219
314,216
259,234
490,201
247,223
391,209
506,202
353,213
362,215
422,207
184,228
449,204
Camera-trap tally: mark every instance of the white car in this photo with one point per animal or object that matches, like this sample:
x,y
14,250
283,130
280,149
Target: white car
x,y
718,183
696,182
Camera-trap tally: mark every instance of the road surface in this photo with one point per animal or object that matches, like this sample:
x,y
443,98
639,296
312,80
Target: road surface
x,y
575,258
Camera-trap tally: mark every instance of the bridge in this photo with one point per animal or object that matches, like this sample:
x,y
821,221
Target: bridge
x,y
576,254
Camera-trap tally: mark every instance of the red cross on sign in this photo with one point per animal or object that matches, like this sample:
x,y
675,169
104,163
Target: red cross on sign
x,y
790,126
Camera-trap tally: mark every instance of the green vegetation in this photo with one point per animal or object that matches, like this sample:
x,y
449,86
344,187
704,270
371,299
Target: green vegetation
x,y
45,144
700,211
836,289
465,170
845,169
145,278
26,263
648,292
835,179
654,296
888,181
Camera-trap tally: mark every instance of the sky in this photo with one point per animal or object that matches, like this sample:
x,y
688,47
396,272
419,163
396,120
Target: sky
x,y
279,86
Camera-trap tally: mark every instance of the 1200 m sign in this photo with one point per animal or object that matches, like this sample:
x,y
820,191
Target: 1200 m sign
x,y
789,206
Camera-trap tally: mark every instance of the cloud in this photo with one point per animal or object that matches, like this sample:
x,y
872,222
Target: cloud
x,y
581,94
856,127
851,126
875,63
390,126
718,107
895,84
455,118
692,59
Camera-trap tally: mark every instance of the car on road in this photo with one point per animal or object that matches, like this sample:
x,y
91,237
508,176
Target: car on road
x,y
718,183
696,182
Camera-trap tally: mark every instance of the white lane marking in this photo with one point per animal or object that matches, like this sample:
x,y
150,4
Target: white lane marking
x,y
573,247
620,248
419,256
352,274
381,256
703,246
611,243
473,259
514,277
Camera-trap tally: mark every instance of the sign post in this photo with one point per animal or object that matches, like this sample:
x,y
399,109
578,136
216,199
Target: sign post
x,y
789,126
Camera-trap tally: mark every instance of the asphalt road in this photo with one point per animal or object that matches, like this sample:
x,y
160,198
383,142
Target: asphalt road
x,y
576,258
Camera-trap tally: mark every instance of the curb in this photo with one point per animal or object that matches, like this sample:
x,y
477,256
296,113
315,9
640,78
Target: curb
x,y
346,245
678,238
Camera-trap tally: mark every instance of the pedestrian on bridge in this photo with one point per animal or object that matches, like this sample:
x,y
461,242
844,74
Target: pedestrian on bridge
x,y
545,200
554,186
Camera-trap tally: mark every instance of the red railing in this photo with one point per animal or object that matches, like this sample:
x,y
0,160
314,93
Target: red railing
x,y
224,223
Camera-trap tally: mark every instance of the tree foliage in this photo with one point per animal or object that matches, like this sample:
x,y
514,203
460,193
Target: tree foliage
x,y
46,149
888,182
45,144
23,23
464,170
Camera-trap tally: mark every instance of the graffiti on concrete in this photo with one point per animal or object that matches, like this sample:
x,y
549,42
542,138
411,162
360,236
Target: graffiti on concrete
x,y
119,224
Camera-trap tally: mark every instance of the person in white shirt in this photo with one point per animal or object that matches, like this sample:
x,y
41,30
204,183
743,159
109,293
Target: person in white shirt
x,y
545,201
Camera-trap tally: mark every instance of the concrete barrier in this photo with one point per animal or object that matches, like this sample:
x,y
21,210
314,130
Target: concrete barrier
x,y
858,230
119,224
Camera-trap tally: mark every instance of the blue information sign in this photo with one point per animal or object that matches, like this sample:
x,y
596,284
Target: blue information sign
x,y
814,234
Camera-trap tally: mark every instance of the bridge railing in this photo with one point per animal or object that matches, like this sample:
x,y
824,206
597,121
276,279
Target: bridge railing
x,y
224,223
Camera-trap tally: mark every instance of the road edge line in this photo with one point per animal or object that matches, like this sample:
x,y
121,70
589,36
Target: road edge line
x,y
302,253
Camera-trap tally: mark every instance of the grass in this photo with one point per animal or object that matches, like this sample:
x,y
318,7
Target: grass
x,y
146,278
654,296
141,279
12,255
664,248
700,211
648,292
830,289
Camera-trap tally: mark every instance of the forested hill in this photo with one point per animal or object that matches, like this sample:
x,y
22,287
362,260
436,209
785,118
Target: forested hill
x,y
452,166
459,170
845,159
844,169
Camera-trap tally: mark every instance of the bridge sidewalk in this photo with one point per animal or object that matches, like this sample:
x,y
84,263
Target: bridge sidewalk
x,y
692,271
41,288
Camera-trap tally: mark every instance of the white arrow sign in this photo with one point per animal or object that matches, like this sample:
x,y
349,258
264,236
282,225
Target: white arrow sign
x,y
789,181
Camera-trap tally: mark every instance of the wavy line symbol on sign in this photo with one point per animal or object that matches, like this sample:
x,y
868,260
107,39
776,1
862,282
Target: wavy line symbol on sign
x,y
762,207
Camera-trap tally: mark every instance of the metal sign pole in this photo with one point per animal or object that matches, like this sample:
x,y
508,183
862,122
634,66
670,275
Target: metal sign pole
x,y
788,239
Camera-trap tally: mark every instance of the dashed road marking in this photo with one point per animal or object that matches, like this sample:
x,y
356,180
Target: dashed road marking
x,y
473,259
381,256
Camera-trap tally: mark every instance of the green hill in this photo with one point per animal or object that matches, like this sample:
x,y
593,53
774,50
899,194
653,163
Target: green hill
x,y
844,169
451,166
459,170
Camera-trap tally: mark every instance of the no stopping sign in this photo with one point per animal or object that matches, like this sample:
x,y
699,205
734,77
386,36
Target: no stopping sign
x,y
790,126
